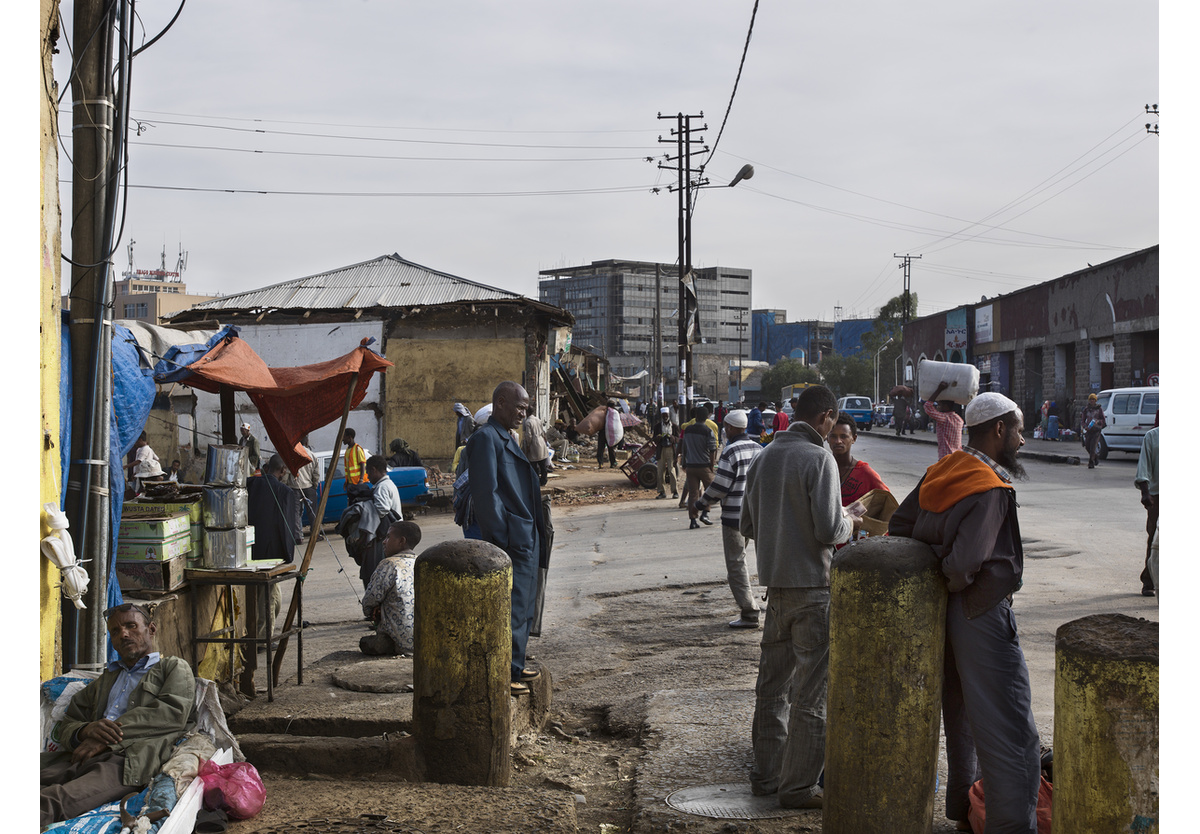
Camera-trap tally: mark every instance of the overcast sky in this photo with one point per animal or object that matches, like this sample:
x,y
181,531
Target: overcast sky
x,y
1002,142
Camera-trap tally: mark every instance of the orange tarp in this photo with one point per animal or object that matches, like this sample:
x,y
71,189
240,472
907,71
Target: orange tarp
x,y
290,401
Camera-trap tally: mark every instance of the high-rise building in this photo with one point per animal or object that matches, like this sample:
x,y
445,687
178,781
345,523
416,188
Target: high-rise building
x,y
615,307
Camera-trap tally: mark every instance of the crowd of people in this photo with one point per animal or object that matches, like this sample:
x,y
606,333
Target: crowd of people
x,y
788,483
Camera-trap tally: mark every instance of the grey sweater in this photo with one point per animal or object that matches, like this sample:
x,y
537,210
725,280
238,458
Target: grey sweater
x,y
793,509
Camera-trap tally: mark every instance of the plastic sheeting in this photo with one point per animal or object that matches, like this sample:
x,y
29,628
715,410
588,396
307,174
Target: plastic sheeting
x,y
291,401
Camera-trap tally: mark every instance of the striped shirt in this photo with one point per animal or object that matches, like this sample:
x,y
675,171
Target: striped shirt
x,y
949,428
729,482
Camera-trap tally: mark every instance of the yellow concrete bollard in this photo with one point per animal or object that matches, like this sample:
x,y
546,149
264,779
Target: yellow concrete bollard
x,y
462,655
1106,726
887,635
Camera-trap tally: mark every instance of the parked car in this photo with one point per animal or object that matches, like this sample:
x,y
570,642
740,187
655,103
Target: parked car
x,y
409,481
882,416
859,408
1130,413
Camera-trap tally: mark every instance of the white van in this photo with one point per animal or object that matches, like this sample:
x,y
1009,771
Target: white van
x,y
1130,413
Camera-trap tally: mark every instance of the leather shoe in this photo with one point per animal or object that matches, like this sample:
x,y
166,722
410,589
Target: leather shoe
x,y
704,519
813,803
661,495
695,525
1147,592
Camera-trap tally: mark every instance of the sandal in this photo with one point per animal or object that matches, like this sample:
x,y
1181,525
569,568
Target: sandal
x,y
528,674
517,688
211,821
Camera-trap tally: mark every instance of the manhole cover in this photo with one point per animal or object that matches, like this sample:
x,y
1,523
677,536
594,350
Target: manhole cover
x,y
728,802
366,824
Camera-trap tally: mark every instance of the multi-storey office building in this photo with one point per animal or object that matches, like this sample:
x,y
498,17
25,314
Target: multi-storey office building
x,y
617,303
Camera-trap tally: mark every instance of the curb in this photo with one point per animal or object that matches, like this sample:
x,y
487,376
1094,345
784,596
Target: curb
x,y
1046,457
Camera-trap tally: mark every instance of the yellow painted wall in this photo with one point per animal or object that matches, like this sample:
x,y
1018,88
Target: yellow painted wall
x,y
51,246
431,375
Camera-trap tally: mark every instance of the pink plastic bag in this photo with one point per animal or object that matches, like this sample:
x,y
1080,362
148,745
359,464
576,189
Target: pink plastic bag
x,y
234,788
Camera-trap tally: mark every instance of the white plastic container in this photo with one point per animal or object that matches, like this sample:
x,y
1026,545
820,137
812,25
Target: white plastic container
x,y
963,379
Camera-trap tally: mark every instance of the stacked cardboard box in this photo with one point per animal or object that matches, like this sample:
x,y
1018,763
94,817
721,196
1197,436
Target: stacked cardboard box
x,y
152,550
188,501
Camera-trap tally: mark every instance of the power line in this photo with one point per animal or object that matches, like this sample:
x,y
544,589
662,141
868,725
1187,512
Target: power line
x,y
388,157
1046,183
1052,196
308,134
564,192
897,226
387,127
733,93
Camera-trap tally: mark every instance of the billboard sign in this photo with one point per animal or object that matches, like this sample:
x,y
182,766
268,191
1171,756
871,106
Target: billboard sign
x,y
983,325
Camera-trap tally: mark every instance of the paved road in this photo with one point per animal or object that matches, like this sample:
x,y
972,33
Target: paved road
x,y
1083,531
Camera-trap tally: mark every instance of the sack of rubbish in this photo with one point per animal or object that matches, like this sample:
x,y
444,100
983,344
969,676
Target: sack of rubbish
x,y
963,380
234,788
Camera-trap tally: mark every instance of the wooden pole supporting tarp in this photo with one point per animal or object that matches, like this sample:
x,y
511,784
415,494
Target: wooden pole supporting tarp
x,y
314,532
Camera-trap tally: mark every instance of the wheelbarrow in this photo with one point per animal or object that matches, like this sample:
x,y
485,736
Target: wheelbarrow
x,y
642,466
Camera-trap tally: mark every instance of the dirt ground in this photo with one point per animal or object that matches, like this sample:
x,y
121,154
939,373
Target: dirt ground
x,y
583,765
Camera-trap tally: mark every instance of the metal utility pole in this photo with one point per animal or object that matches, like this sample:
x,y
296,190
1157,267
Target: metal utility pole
x,y
688,307
100,113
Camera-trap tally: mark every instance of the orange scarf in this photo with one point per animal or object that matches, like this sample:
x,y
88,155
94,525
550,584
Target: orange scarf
x,y
955,477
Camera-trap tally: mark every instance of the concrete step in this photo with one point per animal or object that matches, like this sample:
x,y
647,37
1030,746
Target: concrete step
x,y
353,714
393,754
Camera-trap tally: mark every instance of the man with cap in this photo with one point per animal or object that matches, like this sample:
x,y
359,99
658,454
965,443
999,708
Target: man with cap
x,y
664,442
965,508
250,442
727,487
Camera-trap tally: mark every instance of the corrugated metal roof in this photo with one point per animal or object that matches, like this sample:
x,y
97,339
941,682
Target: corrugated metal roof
x,y
387,281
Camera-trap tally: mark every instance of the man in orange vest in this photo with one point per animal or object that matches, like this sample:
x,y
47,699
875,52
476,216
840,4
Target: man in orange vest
x,y
356,459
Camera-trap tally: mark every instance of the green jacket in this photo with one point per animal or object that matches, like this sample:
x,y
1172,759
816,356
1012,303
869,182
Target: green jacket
x,y
162,708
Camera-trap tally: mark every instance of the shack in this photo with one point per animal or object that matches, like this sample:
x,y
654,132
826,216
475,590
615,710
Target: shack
x,y
451,340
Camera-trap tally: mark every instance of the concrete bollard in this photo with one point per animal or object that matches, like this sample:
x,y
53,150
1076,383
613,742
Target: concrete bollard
x,y
1106,725
462,657
887,635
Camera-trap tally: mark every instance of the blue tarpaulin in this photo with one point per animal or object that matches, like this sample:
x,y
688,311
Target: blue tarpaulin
x,y
135,368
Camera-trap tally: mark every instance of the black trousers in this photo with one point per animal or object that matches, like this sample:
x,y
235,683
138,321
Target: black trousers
x,y
1151,526
601,445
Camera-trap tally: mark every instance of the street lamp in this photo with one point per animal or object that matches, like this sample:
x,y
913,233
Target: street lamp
x,y
685,264
881,347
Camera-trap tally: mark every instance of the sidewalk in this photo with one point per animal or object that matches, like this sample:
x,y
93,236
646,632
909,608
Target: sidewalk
x,y
1049,451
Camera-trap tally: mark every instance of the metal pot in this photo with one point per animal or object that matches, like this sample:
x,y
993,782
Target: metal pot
x,y
225,507
225,548
227,466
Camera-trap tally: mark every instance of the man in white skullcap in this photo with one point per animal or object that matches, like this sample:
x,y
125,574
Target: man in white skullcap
x,y
966,509
727,488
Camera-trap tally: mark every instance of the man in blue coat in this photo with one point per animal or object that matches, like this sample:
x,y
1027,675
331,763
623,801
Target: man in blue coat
x,y
507,502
